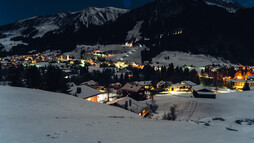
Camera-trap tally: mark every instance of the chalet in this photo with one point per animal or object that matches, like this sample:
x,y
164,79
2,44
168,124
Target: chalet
x,y
178,87
91,84
131,105
239,83
84,92
133,90
188,83
163,85
200,91
146,84
115,85
250,78
184,86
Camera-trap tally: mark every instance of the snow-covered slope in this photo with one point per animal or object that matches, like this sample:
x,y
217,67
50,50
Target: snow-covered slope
x,y
36,27
35,116
181,59
229,5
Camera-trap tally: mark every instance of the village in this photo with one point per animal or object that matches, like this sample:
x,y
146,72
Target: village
x,y
131,85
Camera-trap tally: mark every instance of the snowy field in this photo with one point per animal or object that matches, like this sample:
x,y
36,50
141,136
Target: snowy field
x,y
35,116
122,53
181,59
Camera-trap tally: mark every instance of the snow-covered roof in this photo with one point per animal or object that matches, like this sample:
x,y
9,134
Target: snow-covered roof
x,y
143,83
240,80
177,85
189,83
135,106
199,88
206,93
90,82
131,87
44,64
112,84
86,91
161,82
250,77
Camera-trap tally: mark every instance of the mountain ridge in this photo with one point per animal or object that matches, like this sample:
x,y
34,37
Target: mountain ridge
x,y
174,25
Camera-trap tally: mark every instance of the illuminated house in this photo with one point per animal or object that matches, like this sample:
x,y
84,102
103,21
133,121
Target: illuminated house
x,y
241,77
162,85
178,87
243,73
146,84
184,86
91,83
84,92
131,105
115,85
239,83
135,91
188,83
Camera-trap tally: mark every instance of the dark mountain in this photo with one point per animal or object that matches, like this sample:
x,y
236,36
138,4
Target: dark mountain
x,y
229,5
50,31
178,25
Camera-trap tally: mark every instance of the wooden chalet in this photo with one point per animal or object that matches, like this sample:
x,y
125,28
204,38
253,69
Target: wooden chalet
x,y
200,91
239,83
163,85
91,83
135,91
131,105
84,92
115,85
146,84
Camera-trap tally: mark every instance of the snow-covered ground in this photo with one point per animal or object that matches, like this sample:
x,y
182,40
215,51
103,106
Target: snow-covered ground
x,y
121,53
181,59
8,43
35,116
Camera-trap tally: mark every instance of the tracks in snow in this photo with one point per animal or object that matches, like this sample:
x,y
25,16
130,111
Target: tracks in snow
x,y
187,112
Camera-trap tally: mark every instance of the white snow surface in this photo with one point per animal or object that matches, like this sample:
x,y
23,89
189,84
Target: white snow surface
x,y
135,32
122,53
96,15
8,43
55,23
35,116
229,9
45,28
181,59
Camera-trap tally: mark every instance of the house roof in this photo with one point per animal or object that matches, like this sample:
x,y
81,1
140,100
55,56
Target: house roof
x,y
164,82
131,87
200,88
177,85
86,91
189,83
90,82
143,83
240,80
136,106
116,84
206,93
161,82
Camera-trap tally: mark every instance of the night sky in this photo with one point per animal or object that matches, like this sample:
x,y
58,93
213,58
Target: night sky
x,y
13,10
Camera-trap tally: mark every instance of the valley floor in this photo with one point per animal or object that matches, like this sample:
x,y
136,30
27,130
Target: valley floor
x,y
35,116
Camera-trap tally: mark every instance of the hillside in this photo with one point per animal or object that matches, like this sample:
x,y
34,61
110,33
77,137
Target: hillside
x,y
174,25
35,116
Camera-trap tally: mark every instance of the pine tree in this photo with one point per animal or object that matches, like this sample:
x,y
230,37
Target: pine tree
x,y
1,74
15,75
33,77
246,86
54,80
